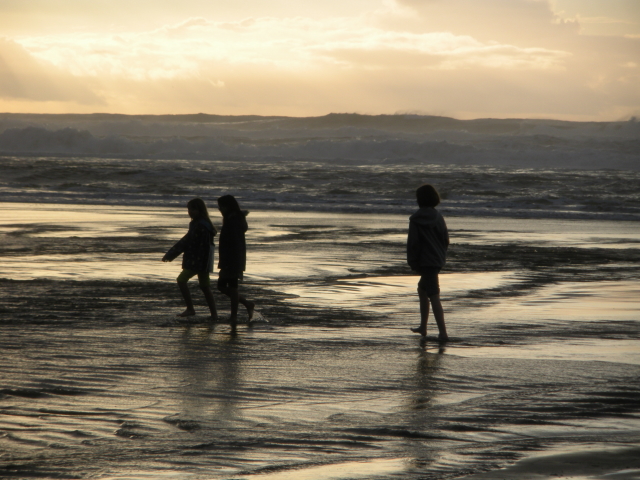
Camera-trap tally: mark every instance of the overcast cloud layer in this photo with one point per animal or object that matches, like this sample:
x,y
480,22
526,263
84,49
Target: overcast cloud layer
x,y
463,58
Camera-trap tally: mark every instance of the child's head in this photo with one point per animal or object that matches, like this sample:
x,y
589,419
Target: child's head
x,y
427,196
228,204
197,209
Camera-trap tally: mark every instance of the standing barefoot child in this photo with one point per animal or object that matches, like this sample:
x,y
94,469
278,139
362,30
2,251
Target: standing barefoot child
x,y
233,255
426,254
197,246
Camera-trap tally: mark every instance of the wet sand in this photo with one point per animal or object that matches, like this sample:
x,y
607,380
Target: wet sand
x,y
608,461
98,380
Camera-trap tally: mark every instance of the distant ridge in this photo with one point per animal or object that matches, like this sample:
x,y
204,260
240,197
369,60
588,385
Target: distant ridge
x,y
411,123
330,119
340,138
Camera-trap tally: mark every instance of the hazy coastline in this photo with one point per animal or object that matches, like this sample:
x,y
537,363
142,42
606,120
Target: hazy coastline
x,y
335,138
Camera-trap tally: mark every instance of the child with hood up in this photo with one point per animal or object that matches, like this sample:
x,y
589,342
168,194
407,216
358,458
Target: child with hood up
x,y
427,246
233,255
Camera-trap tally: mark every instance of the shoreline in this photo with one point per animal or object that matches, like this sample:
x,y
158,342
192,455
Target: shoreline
x,y
99,380
507,214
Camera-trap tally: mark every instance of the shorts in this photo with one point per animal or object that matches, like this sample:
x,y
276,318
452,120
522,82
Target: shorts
x,y
203,277
226,283
429,280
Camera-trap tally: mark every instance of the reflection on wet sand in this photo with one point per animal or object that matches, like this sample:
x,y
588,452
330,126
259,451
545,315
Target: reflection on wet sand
x,y
387,293
98,380
347,470
208,377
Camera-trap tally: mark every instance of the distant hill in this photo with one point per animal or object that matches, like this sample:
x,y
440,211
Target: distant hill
x,y
337,137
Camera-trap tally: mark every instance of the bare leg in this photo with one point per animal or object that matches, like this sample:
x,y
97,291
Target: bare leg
x,y
424,313
208,295
233,296
184,289
236,299
249,305
438,313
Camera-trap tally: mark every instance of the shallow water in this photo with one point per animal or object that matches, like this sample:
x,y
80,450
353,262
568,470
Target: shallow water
x,y
99,381
539,188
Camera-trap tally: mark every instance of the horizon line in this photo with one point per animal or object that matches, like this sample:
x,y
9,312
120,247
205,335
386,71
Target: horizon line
x,y
631,118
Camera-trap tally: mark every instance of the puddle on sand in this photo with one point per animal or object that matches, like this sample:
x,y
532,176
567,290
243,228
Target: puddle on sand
x,y
574,301
545,232
371,292
563,305
348,470
85,267
587,462
612,300
338,471
85,220
617,351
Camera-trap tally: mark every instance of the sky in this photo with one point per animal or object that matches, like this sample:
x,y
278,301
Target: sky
x,y
561,59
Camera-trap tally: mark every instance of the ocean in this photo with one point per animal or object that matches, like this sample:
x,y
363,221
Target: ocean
x,y
540,379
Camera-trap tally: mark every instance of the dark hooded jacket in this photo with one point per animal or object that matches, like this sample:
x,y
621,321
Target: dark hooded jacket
x,y
428,239
197,246
233,247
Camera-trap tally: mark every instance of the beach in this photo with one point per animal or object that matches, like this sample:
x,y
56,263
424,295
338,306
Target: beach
x,y
125,125
99,380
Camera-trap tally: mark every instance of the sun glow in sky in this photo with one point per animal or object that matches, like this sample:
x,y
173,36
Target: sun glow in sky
x,y
568,59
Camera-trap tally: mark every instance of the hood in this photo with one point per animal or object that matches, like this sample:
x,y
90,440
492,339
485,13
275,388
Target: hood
x,y
425,216
239,218
207,225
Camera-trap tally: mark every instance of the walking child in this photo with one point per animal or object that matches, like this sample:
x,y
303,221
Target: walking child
x,y
427,246
233,255
197,246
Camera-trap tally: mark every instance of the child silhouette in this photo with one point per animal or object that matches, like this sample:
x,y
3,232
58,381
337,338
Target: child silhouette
x,y
427,246
197,246
233,255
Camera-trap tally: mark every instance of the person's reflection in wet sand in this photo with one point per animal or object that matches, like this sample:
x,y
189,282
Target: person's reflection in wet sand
x,y
211,376
428,364
421,415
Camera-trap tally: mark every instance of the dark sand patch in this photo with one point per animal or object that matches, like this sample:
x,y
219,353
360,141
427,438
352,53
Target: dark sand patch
x,y
610,462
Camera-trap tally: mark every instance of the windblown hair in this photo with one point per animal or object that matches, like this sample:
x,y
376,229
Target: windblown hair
x,y
427,196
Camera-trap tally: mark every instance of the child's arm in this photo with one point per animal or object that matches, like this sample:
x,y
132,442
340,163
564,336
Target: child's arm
x,y
181,245
176,250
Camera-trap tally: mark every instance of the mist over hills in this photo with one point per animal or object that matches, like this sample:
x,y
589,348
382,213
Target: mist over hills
x,y
344,138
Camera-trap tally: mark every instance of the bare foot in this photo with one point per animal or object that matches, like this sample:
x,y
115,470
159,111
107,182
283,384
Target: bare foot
x,y
250,308
187,313
443,338
420,330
